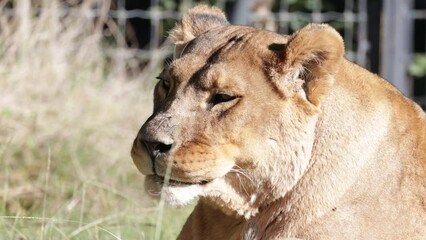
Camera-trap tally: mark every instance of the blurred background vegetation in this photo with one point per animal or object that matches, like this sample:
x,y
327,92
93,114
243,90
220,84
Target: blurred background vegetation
x,y
69,111
76,78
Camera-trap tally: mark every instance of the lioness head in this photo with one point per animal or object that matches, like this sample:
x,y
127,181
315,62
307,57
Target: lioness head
x,y
235,112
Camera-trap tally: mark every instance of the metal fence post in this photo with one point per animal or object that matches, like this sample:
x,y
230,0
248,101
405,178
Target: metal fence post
x,y
241,13
397,43
363,44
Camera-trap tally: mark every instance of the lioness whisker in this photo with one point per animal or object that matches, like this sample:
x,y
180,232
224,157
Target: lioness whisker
x,y
241,171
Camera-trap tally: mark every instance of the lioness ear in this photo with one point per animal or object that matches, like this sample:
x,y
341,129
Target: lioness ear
x,y
196,21
314,54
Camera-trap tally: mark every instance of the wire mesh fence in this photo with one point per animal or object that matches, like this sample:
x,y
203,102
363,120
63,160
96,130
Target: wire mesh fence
x,y
385,36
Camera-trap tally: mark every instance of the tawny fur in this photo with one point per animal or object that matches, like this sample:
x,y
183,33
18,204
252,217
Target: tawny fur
x,y
309,145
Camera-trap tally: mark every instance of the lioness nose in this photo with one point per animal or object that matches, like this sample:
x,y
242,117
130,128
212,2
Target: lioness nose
x,y
157,148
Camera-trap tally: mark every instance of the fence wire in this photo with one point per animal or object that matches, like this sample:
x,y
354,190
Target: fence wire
x,y
349,17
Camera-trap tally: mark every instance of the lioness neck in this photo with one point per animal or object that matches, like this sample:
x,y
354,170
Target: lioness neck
x,y
341,178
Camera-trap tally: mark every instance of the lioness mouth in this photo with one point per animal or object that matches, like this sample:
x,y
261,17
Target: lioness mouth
x,y
172,182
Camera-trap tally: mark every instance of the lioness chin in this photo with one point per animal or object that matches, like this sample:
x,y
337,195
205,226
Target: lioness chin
x,y
281,137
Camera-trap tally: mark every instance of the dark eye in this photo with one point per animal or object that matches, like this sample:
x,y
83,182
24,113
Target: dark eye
x,y
221,98
164,83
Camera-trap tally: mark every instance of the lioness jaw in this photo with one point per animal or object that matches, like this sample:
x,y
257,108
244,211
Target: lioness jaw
x,y
281,137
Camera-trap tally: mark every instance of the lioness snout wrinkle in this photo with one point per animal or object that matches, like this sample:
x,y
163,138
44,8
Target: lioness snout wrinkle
x,y
158,129
281,137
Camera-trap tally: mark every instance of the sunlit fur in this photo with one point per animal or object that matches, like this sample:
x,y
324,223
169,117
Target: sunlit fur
x,y
308,146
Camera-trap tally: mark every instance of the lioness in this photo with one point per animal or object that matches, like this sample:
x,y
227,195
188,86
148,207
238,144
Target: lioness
x,y
281,137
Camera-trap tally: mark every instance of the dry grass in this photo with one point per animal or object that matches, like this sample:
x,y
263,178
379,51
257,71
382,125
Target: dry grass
x,y
67,120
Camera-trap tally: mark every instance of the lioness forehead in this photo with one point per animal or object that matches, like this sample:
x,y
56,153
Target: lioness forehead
x,y
227,44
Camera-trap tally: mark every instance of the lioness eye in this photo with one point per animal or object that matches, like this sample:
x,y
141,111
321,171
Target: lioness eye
x,y
164,83
221,98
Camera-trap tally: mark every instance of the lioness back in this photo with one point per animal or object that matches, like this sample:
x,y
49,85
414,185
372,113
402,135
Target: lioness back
x,y
281,137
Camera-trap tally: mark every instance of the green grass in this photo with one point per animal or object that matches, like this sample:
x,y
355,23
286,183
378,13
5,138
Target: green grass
x,y
71,194
68,116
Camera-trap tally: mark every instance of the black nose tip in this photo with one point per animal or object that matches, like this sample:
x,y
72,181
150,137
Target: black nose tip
x,y
157,148
161,147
